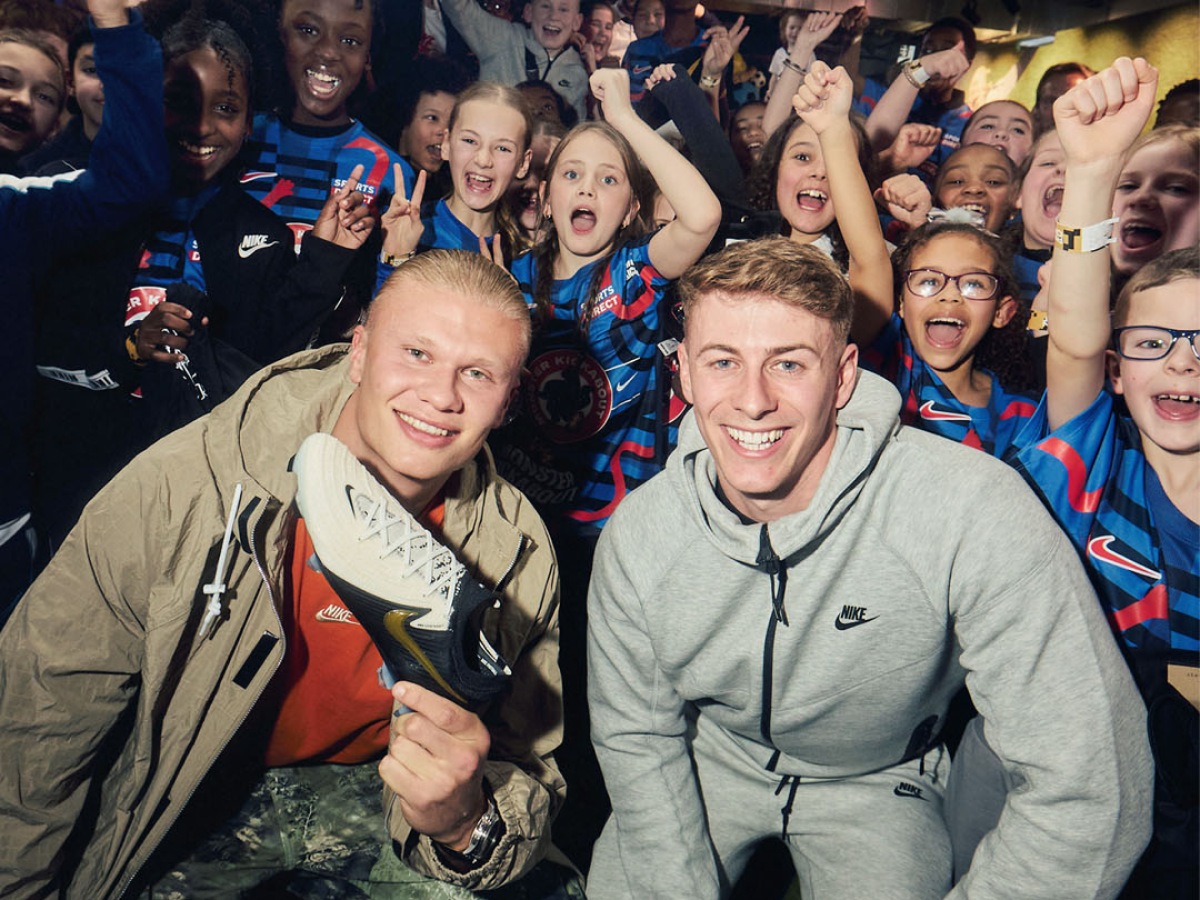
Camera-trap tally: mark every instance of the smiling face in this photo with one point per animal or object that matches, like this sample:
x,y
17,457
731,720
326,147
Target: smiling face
x,y
88,90
946,329
599,30
486,152
1158,203
206,107
553,21
1041,192
978,178
1002,124
421,140
1163,395
801,192
649,18
31,97
746,134
326,44
589,198
435,370
766,379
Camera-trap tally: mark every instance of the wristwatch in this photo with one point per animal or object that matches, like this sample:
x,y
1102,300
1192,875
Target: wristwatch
x,y
708,82
488,831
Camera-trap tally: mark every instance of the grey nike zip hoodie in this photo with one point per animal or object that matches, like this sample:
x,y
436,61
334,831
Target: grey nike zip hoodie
x,y
829,644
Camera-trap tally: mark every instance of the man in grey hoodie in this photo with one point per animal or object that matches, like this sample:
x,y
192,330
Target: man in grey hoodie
x,y
777,623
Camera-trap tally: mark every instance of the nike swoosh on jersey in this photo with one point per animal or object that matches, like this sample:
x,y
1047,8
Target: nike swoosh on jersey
x,y
927,411
1099,548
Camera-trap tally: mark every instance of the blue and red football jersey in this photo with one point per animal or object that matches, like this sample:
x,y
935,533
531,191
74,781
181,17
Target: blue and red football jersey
x,y
930,405
443,230
596,417
1092,475
292,172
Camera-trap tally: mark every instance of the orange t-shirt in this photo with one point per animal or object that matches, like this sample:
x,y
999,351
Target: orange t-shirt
x,y
333,707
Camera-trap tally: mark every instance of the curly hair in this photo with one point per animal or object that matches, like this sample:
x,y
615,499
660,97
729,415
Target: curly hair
x,y
1002,350
251,21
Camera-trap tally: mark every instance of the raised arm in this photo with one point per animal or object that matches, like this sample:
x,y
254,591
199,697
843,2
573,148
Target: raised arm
x,y
688,107
128,168
817,28
897,101
484,33
854,22
1097,120
723,43
681,242
823,101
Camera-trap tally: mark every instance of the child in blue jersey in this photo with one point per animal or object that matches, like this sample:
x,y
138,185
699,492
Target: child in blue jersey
x,y
953,283
1114,449
594,423
595,417
293,160
488,149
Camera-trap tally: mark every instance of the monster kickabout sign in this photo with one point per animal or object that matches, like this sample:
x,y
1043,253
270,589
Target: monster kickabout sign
x,y
568,394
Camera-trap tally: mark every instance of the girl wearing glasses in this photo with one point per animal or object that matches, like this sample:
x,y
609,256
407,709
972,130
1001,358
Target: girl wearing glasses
x,y
953,290
1114,448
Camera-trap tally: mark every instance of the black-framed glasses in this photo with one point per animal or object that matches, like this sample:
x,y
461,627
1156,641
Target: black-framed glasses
x,y
972,285
1152,342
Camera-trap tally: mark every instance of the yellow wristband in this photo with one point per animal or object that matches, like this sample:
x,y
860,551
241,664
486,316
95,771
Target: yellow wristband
x,y
1038,320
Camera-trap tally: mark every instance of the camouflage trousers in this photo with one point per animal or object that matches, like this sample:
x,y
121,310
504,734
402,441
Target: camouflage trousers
x,y
318,833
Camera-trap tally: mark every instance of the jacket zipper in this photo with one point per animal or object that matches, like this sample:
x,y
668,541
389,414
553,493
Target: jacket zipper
x,y
238,727
512,565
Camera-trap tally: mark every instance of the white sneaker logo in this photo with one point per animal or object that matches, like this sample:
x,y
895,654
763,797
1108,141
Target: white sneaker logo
x,y
334,613
252,243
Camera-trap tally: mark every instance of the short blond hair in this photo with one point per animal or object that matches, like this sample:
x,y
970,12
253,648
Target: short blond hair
x,y
469,274
794,274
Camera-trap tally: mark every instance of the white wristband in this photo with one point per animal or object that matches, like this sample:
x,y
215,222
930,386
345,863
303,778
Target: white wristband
x,y
916,73
1087,239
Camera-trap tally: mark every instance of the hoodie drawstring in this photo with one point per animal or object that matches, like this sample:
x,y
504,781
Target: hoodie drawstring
x,y
216,588
770,563
792,782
